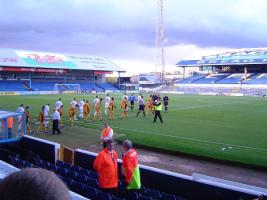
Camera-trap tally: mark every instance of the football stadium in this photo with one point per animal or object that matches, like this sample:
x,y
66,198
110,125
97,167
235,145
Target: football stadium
x,y
219,116
97,105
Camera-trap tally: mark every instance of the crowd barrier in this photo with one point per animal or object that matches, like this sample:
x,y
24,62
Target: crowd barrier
x,y
47,150
169,182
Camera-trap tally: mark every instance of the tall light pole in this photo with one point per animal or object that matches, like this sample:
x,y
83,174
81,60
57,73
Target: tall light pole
x,y
160,54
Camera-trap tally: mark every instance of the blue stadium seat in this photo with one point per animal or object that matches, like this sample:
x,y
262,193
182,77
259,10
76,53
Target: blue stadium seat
x,y
92,182
68,166
153,194
212,78
28,165
76,168
191,79
20,163
257,79
71,174
64,179
116,198
165,196
10,86
81,178
93,175
13,160
62,171
103,196
89,192
141,197
85,172
143,191
134,196
107,86
53,168
68,181
39,163
47,165
77,187
59,163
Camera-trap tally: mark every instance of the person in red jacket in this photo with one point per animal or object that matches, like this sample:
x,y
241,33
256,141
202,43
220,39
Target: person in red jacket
x,y
106,166
130,168
106,134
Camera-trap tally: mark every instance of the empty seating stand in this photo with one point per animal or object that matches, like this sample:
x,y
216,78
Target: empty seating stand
x,y
257,79
90,87
11,86
212,78
233,79
107,86
43,86
191,79
39,85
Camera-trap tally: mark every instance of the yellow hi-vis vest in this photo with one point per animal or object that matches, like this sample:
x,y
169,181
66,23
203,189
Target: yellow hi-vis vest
x,y
158,107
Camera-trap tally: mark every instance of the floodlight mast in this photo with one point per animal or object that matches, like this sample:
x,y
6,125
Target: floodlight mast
x,y
160,53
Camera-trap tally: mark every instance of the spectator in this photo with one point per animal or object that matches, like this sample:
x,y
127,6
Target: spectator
x,y
20,109
10,122
107,168
33,184
130,169
106,134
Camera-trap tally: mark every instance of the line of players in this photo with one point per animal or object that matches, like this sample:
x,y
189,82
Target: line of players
x,y
82,109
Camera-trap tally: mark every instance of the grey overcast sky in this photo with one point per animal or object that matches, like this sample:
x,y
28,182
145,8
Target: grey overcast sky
x,y
124,30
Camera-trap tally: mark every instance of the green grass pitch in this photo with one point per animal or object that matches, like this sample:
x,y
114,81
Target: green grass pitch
x,y
226,128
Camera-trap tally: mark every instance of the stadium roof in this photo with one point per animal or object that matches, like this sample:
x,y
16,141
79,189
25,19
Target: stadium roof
x,y
36,59
231,57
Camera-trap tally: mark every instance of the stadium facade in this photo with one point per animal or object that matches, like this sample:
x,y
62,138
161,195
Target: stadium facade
x,y
236,72
23,71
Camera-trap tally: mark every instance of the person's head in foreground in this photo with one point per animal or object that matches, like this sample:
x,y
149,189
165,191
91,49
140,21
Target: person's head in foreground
x,y
109,145
127,145
33,184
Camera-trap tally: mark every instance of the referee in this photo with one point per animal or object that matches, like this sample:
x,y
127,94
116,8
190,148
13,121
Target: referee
x,y
141,103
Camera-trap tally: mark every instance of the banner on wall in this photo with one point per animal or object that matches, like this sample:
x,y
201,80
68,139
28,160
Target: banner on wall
x,y
240,57
40,70
50,60
35,59
9,93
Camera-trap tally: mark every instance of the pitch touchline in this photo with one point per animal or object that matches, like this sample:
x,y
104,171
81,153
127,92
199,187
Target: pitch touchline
x,y
186,138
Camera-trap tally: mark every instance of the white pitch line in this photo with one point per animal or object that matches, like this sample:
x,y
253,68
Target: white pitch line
x,y
186,138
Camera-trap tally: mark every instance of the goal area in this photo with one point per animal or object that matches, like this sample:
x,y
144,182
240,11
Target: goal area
x,y
67,87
